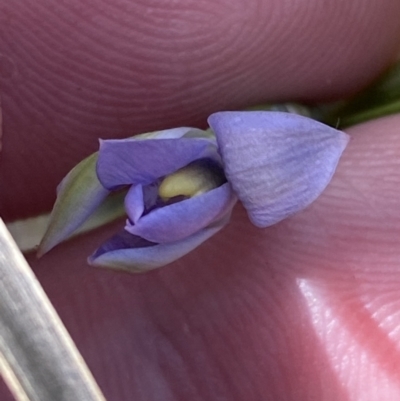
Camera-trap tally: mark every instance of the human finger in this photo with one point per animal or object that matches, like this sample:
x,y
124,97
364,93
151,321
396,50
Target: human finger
x,y
75,72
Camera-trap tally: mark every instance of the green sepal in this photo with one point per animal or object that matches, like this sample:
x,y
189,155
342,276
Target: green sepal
x,y
79,194
379,99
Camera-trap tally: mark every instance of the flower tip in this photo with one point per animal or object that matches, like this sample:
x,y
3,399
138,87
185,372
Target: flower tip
x,y
91,260
107,262
95,260
344,138
46,244
259,223
40,252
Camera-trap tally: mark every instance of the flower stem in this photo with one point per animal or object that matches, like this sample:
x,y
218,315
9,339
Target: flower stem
x,y
379,99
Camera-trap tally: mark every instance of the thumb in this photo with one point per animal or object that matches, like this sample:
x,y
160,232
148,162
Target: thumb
x,y
303,310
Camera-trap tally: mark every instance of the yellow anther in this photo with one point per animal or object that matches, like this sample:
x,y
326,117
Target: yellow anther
x,y
192,180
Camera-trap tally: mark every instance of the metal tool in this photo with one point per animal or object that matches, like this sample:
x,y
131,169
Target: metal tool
x,y
38,359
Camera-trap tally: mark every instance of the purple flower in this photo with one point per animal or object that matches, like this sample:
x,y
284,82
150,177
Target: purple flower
x,y
178,196
183,183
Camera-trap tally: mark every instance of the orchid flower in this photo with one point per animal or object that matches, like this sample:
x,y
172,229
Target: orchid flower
x,y
182,183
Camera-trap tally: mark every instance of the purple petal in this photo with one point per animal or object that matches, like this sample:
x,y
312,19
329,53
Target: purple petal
x,y
132,253
134,205
277,163
131,161
182,219
122,240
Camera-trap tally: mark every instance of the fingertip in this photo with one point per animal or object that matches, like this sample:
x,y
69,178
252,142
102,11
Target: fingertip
x,y
112,69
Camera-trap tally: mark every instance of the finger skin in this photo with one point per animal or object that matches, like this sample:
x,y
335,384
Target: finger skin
x,y
304,310
73,72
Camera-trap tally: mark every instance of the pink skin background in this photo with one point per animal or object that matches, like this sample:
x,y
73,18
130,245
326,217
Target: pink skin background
x,y
305,310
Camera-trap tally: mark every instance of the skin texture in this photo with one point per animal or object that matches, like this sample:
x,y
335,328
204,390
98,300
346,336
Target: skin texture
x,y
83,70
304,310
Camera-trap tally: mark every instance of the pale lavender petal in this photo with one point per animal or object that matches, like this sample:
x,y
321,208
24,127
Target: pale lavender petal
x,y
277,163
134,205
129,252
179,220
131,161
